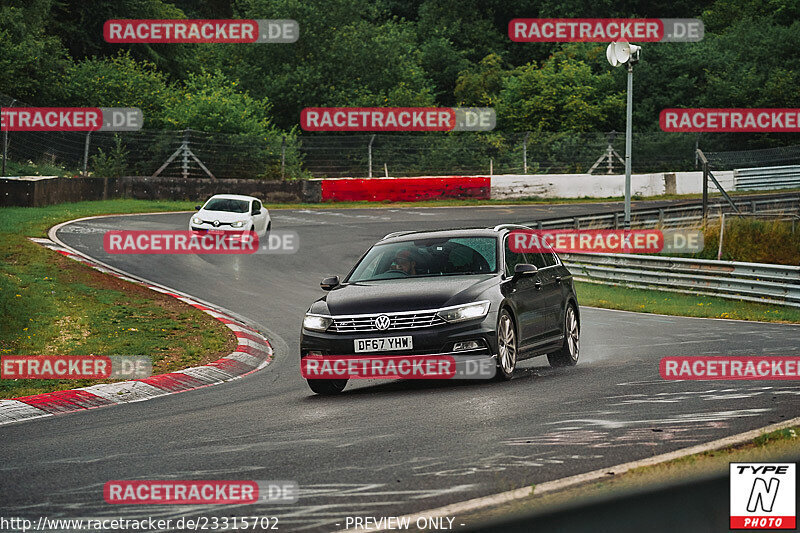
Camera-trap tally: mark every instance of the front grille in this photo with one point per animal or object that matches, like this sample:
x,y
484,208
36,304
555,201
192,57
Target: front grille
x,y
396,321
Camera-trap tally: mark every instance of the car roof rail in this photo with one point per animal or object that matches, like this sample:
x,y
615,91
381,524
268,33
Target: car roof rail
x,y
396,234
510,226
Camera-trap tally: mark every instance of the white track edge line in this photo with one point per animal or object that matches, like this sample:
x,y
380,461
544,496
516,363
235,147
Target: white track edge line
x,y
558,484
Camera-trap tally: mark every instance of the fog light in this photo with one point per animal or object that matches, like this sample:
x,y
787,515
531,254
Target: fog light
x,y
466,345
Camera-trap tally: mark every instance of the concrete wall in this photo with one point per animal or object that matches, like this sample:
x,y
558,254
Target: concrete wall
x,y
200,189
603,185
40,191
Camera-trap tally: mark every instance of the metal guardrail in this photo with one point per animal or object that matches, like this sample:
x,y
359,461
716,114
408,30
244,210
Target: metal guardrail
x,y
766,178
672,216
759,282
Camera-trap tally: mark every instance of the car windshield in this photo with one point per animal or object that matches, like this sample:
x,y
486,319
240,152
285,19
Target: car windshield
x,y
227,204
427,257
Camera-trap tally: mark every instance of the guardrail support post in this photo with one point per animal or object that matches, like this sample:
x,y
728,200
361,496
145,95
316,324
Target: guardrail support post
x,y
661,217
525,153
5,143
283,158
705,193
86,152
369,153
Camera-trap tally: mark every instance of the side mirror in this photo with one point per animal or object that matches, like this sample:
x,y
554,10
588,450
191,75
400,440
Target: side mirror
x,y
525,269
198,207
329,283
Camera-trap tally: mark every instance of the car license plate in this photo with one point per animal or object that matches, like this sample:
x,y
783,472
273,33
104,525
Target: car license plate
x,y
383,344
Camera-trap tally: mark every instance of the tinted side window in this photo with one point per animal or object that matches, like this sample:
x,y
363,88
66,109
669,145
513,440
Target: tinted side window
x,y
256,206
538,259
549,259
512,258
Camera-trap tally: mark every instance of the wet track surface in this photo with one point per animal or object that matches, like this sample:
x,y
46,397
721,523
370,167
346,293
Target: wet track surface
x,y
381,449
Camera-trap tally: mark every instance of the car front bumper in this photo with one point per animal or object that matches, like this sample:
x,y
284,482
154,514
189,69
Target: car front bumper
x,y
434,340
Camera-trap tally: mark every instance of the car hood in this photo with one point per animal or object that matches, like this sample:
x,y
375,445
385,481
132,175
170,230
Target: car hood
x,y
222,216
395,295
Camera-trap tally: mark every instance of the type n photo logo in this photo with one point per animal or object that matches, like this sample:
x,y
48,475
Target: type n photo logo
x,y
763,495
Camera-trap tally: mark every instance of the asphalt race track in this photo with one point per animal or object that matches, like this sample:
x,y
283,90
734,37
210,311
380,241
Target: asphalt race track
x,y
381,448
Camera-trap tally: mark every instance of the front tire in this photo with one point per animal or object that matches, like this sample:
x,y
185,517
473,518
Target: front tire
x,y
569,352
506,346
327,387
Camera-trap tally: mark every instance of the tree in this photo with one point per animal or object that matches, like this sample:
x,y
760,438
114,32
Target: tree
x,y
31,60
120,81
563,94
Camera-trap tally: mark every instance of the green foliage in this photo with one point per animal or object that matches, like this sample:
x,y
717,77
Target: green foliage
x,y
400,53
31,59
120,81
480,86
563,94
112,164
209,101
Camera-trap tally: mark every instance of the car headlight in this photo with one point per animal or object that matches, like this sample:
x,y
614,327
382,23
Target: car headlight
x,y
465,312
316,322
238,224
197,220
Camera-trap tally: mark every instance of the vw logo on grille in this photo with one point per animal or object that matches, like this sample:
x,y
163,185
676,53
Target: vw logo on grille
x,y
382,322
216,223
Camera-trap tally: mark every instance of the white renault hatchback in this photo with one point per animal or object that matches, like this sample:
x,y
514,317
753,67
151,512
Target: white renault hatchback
x,y
231,212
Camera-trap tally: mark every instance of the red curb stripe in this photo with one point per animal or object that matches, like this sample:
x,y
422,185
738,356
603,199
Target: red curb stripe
x,y
250,337
173,382
252,350
65,401
232,366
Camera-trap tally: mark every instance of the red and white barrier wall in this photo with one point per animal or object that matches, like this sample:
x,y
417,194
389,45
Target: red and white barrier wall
x,y
512,186
405,189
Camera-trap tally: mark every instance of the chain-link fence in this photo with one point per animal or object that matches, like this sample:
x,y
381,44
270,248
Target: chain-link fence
x,y
191,153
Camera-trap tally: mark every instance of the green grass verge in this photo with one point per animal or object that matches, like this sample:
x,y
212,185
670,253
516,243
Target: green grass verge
x,y
772,446
675,303
754,240
51,305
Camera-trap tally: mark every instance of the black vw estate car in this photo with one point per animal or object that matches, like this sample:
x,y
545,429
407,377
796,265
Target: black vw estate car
x,y
455,292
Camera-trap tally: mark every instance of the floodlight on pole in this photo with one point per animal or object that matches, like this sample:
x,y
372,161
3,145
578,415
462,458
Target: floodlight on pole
x,y
619,54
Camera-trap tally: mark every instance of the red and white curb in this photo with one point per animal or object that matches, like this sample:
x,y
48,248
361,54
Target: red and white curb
x,y
252,354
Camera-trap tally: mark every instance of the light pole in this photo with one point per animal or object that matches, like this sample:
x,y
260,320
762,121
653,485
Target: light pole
x,y
619,54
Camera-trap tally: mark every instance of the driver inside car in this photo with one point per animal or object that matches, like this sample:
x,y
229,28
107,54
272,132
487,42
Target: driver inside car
x,y
403,261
